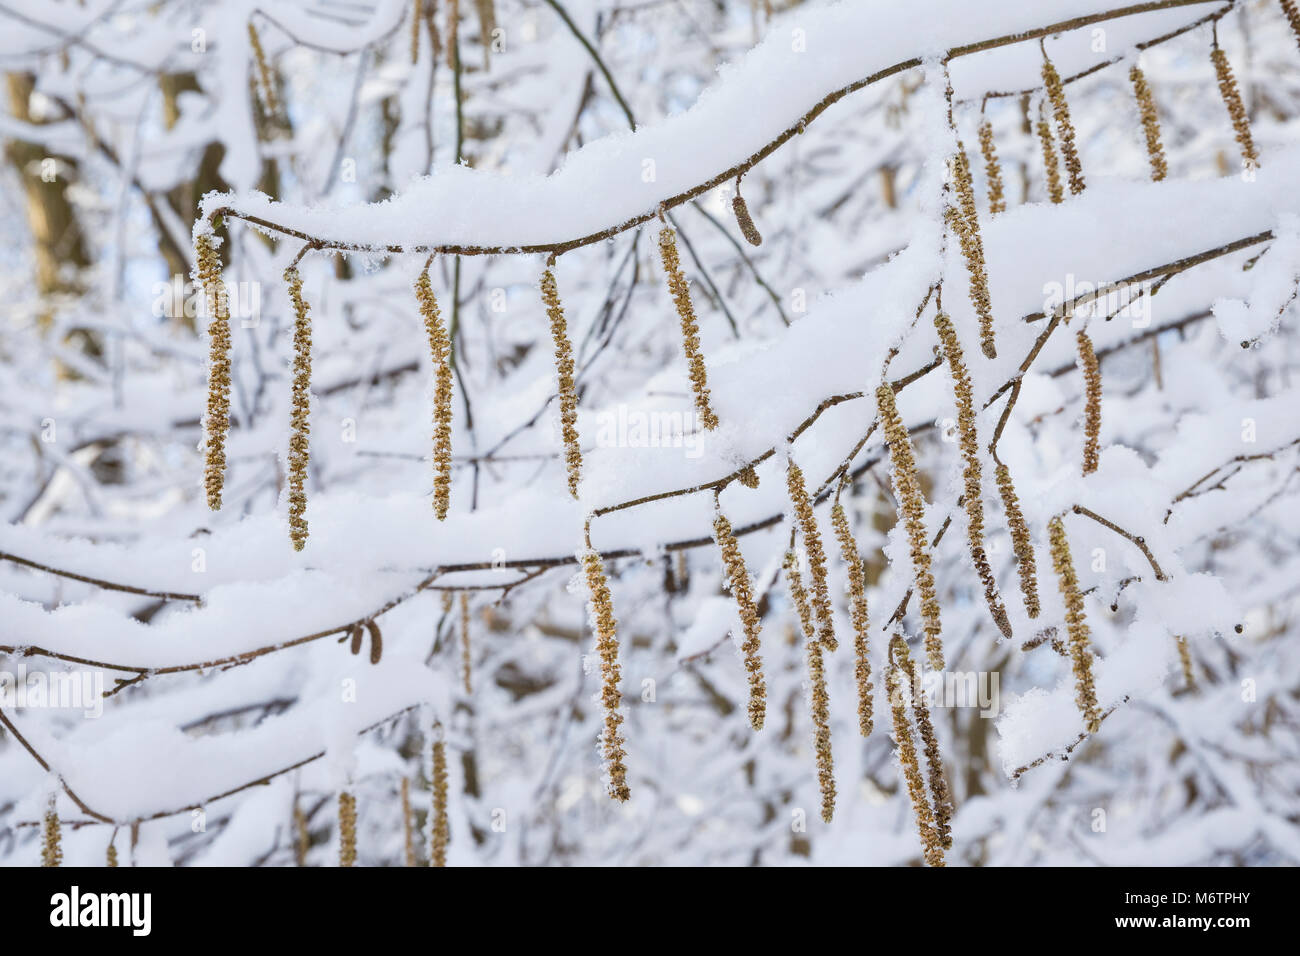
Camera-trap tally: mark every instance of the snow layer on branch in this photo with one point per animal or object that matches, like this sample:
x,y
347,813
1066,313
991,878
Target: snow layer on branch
x,y
807,55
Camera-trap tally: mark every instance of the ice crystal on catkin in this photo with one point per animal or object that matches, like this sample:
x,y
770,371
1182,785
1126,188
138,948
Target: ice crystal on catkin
x,y
564,375
907,488
1076,625
1150,123
611,698
733,561
216,423
440,349
812,542
818,698
681,293
300,413
857,612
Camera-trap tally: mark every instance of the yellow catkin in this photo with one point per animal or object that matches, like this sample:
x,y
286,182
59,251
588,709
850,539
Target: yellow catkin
x,y
1055,191
266,79
1064,127
1076,624
347,829
812,542
733,561
1150,123
1021,541
1232,100
602,612
745,221
216,423
907,488
940,794
1091,369
564,375
819,700
1293,16
417,17
465,656
681,293
900,690
302,835
972,473
857,612
440,349
992,169
964,221
300,413
441,828
1185,659
748,477
51,837
408,831
111,856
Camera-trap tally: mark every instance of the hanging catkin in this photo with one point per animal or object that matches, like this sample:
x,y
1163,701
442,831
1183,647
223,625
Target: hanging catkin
x,y
1064,127
992,169
347,829
964,221
681,294
300,413
51,836
465,657
417,16
216,423
744,220
812,542
111,856
265,78
1091,369
440,349
940,795
819,700
907,488
1150,123
1021,541
733,561
1185,660
1293,16
972,474
408,831
602,615
441,829
858,614
899,686
1232,100
302,835
1052,170
564,375
1076,624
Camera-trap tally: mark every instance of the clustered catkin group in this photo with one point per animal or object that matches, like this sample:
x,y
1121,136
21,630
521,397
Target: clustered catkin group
x,y
907,488
973,490
51,837
564,367
216,422
1150,123
347,828
1021,540
300,412
733,561
857,613
1064,127
602,612
1091,369
1055,191
1076,625
964,221
819,699
901,686
465,655
1232,100
812,542
441,829
992,169
440,349
681,293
